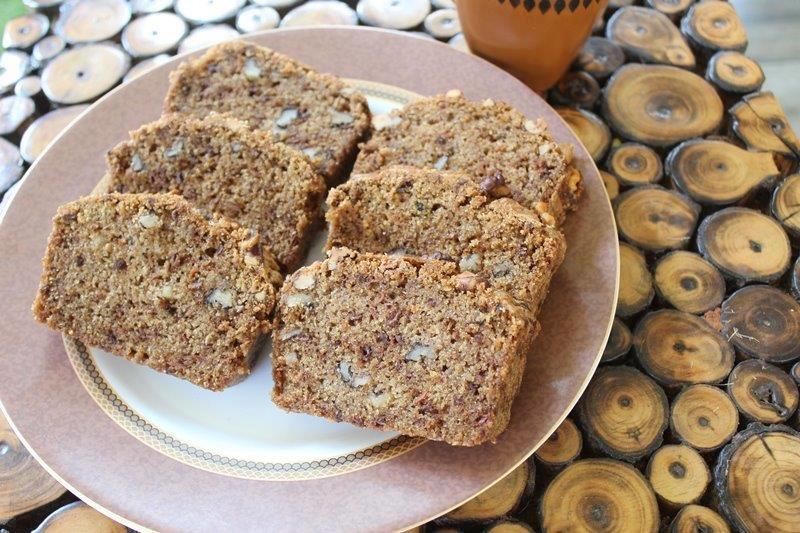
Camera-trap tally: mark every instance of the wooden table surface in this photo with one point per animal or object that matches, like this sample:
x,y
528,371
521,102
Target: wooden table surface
x,y
691,423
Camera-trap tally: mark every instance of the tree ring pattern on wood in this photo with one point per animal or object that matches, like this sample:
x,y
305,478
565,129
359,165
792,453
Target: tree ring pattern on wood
x,y
590,129
635,282
786,204
656,219
688,282
714,25
635,164
704,417
649,35
678,474
763,392
88,21
735,72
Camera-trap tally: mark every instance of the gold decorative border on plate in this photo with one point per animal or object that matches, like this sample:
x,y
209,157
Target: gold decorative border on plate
x,y
139,427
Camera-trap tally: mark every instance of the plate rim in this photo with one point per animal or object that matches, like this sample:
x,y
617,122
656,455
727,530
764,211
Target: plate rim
x,y
171,64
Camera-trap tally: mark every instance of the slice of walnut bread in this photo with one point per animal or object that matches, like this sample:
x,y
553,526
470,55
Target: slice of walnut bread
x,y
148,278
313,112
502,150
399,343
221,166
444,215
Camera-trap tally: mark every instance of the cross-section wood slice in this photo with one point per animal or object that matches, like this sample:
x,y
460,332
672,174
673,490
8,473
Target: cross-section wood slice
x,y
257,18
47,48
763,392
703,417
14,65
206,35
45,128
82,74
78,516
678,474
393,14
24,31
674,9
562,447
10,165
698,519
715,25
786,204
590,129
154,34
599,495
88,21
442,23
578,89
16,113
650,36
197,12
635,282
734,72
320,13
660,105
718,172
635,164
600,57
763,322
619,342
759,120
688,282
757,479
611,184
150,6
745,245
623,413
655,218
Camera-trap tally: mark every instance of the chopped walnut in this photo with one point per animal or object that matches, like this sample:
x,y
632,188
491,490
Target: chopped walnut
x,y
223,298
441,163
304,281
420,351
380,122
293,300
149,220
471,262
340,119
175,149
251,69
287,116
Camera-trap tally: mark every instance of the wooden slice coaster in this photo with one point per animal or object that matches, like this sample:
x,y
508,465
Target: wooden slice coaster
x,y
208,35
763,322
599,495
320,13
656,219
577,89
207,11
674,9
759,120
279,5
11,165
745,245
47,49
22,32
562,447
660,105
763,392
255,18
24,485
442,23
14,65
393,14
650,36
143,66
590,129
78,516
757,479
619,342
89,21
635,164
703,417
30,86
154,34
688,282
698,519
679,348
508,525
459,42
623,413
45,128
678,474
16,114
718,172
150,6
611,184
714,25
786,204
795,279
84,73
635,282
734,72
500,500
600,57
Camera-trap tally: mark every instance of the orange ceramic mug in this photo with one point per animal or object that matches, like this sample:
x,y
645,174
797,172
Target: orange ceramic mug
x,y
535,40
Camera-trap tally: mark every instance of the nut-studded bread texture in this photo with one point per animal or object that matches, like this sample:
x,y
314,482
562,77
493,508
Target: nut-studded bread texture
x,y
502,150
399,343
149,278
312,112
223,167
444,215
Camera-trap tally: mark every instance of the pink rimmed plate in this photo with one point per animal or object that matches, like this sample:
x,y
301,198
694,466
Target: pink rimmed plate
x,y
157,453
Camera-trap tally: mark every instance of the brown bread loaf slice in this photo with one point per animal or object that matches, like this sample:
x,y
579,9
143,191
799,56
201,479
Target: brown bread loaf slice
x,y
148,278
312,112
399,343
503,151
444,215
221,166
